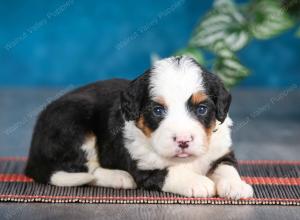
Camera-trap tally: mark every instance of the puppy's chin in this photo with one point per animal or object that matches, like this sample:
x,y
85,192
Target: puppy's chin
x,y
188,159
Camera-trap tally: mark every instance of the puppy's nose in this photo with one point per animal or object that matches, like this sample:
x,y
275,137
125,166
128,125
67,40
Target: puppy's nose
x,y
183,141
183,144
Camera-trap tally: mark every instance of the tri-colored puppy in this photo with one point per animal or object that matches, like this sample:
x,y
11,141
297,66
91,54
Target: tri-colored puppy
x,y
166,130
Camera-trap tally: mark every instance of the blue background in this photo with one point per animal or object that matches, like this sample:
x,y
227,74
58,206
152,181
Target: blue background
x,y
82,43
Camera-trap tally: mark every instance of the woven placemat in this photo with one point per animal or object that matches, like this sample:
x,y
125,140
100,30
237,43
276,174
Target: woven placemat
x,y
274,183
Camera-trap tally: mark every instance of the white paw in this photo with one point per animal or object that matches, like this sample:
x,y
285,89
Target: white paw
x,y
118,179
192,186
234,189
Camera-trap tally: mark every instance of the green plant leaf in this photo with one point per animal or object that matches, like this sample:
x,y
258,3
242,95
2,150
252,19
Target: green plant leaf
x,y
268,18
193,52
220,49
225,22
230,70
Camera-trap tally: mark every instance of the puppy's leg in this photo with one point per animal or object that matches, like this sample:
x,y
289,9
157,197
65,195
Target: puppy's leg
x,y
113,178
104,177
229,184
185,182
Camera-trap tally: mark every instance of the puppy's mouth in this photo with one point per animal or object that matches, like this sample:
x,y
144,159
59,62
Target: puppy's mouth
x,y
183,154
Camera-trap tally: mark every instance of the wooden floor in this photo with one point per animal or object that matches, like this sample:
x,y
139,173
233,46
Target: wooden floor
x,y
267,126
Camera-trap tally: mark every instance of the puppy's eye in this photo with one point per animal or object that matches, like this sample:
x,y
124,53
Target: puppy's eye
x,y
159,111
201,110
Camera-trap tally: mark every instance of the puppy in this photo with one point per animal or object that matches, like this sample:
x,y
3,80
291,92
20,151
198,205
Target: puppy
x,y
166,130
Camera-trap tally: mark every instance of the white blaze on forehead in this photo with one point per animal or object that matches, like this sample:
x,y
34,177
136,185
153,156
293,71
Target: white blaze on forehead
x,y
175,80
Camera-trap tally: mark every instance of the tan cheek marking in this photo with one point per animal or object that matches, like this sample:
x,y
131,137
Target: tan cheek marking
x,y
198,97
208,132
140,123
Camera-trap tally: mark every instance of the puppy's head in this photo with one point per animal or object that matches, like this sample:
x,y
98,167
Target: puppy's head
x,y
176,105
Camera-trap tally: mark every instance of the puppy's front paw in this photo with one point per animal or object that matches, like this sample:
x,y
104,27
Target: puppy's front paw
x,y
192,185
118,179
234,189
200,187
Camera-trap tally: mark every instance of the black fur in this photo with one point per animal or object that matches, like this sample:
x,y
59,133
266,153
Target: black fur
x,y
62,127
228,159
132,100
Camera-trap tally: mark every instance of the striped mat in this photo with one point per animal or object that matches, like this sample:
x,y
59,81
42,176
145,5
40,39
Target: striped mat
x,y
274,183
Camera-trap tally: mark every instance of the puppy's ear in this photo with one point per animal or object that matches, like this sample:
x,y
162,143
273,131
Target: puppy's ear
x,y
219,94
223,102
133,98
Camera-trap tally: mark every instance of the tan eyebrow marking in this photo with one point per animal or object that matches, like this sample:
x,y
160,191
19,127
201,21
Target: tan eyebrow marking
x,y
198,97
160,100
